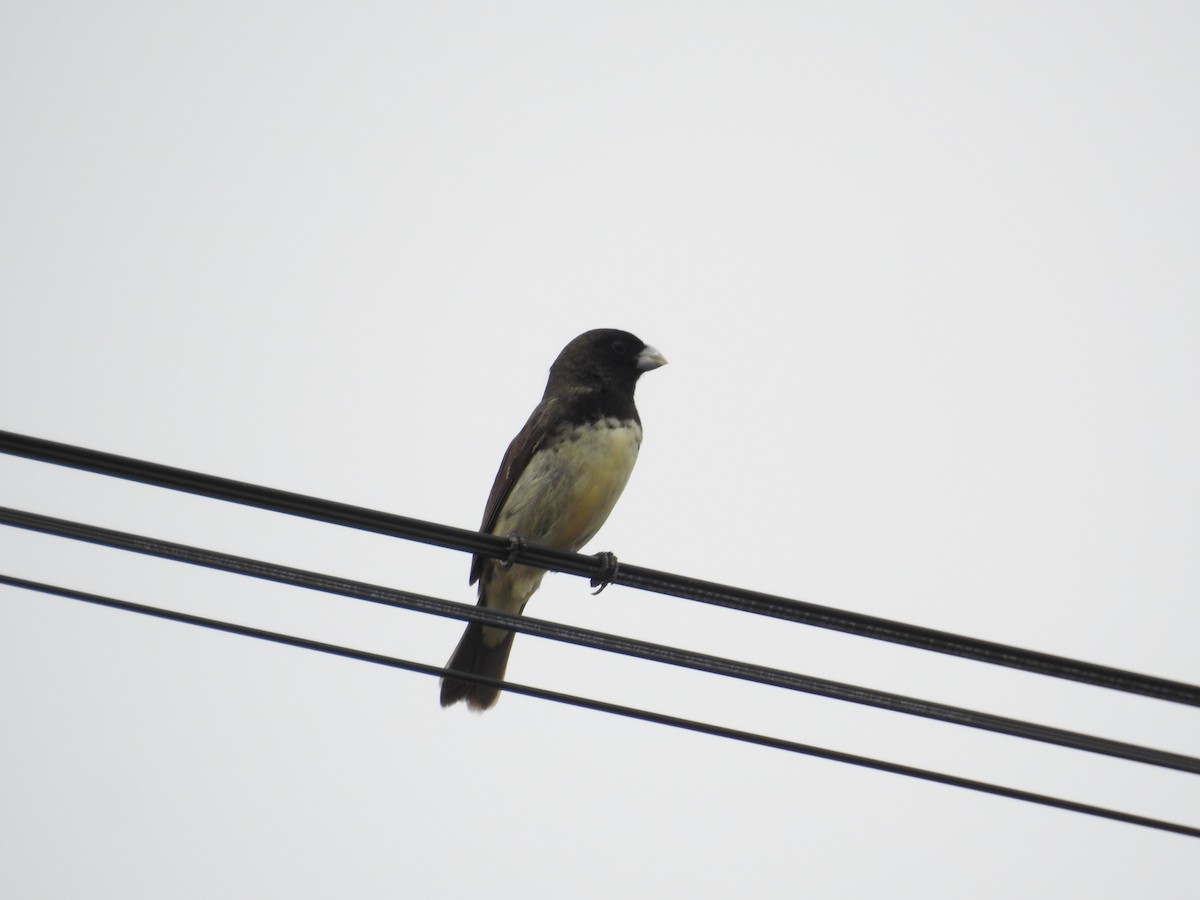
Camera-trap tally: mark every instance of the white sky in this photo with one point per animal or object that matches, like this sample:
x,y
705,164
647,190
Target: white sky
x,y
927,276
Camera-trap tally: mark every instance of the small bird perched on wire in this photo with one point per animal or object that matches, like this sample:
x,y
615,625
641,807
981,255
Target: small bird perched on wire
x,y
558,481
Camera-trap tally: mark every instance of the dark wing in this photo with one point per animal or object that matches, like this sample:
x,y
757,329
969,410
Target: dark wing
x,y
542,423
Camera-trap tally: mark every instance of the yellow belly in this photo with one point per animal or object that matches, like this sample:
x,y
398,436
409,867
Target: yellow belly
x,y
567,492
561,499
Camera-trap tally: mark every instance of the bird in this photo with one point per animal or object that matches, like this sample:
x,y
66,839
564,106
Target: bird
x,y
557,484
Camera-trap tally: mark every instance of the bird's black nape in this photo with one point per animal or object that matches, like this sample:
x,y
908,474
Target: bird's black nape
x,y
603,356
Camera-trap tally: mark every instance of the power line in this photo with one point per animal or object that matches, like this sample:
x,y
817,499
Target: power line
x,y
595,639
615,709
632,576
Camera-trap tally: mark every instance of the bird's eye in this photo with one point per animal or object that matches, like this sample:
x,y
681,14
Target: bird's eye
x,y
618,347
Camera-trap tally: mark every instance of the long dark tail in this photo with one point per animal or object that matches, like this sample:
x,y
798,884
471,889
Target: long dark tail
x,y
473,657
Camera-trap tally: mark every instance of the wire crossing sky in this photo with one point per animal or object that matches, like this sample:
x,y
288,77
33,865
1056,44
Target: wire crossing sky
x,y
654,652
343,514
632,576
645,715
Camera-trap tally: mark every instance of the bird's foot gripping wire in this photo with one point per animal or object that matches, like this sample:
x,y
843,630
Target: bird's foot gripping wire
x,y
516,547
607,574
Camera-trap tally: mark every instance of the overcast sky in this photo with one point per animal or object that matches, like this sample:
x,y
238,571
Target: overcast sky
x,y
928,281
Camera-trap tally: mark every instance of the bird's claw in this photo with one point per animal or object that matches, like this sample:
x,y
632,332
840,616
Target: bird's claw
x,y
607,574
516,547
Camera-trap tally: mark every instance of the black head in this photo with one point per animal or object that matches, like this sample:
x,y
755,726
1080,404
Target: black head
x,y
603,358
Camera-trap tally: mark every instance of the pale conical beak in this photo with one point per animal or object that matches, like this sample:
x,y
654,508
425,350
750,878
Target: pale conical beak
x,y
649,359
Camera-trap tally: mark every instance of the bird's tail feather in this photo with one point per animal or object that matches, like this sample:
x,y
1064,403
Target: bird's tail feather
x,y
473,657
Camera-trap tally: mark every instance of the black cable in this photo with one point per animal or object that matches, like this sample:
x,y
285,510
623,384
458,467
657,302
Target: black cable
x,y
598,640
591,567
613,709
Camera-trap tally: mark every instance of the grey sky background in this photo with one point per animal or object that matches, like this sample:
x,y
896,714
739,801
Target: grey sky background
x,y
927,278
